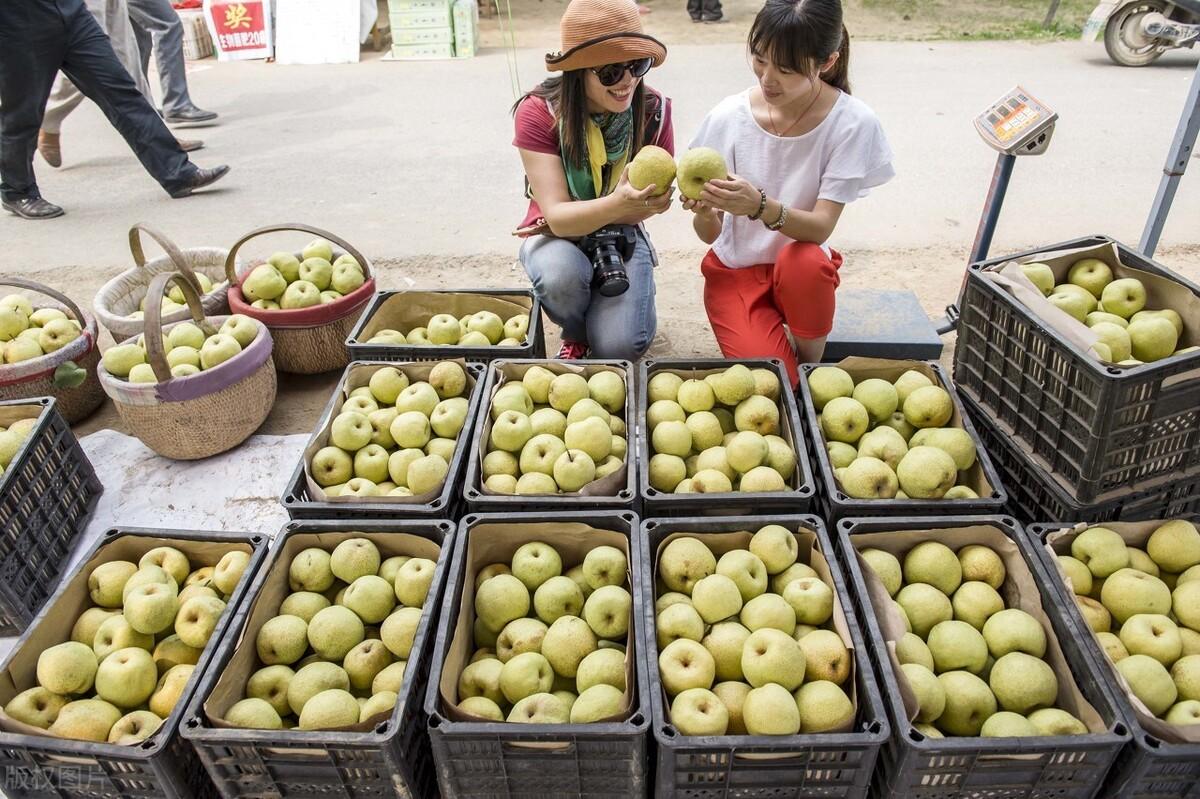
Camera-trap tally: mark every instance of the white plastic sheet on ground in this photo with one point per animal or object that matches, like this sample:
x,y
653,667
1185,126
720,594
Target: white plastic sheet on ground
x,y
237,491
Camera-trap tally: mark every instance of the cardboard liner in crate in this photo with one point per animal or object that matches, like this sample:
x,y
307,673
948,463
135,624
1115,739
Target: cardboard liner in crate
x,y
58,618
1136,534
1019,590
1161,293
608,486
231,686
357,376
496,542
412,309
860,369
808,552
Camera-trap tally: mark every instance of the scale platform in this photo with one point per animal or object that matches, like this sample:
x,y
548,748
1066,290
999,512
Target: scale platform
x,y
881,324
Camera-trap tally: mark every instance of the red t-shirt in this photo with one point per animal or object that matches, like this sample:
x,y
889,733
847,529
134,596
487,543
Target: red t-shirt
x,y
537,131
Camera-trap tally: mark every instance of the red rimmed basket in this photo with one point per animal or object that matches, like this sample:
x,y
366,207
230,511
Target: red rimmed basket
x,y
187,418
307,340
45,377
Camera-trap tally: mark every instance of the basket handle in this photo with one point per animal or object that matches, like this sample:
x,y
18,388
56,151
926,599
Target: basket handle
x,y
287,227
42,288
173,252
156,354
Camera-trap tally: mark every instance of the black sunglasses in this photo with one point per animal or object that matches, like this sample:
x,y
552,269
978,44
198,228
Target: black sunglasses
x,y
611,74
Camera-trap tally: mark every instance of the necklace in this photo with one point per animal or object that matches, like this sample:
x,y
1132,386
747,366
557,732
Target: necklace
x,y
804,113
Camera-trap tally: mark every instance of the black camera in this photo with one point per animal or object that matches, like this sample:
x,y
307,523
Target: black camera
x,y
609,248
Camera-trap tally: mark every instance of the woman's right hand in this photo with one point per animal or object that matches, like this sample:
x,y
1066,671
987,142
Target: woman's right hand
x,y
635,206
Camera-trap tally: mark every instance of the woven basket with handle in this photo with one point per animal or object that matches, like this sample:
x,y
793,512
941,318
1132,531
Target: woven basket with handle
x,y
307,340
122,295
186,418
51,375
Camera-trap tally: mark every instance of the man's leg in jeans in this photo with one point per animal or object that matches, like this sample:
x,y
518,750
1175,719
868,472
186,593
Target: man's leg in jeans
x,y
562,279
712,10
695,9
92,65
623,326
29,59
157,27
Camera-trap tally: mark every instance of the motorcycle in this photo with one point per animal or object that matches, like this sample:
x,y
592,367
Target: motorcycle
x,y
1137,32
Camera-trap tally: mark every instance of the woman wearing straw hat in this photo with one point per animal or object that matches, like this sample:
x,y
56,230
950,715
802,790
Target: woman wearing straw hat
x,y
585,249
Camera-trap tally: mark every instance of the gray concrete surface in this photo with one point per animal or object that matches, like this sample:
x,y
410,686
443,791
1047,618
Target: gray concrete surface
x,y
413,160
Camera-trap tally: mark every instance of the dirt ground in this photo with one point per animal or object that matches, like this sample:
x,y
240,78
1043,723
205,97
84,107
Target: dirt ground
x,y
534,23
683,329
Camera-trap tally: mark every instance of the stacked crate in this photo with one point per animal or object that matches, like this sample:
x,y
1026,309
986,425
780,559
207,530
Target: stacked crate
x,y
421,29
1076,439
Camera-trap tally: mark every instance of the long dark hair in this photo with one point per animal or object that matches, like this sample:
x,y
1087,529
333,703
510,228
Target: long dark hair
x,y
566,95
800,35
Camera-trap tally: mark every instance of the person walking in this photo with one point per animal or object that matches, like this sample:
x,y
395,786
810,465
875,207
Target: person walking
x,y
157,27
37,39
576,133
65,97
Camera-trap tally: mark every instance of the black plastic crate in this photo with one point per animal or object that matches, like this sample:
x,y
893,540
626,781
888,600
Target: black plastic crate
x,y
47,495
798,499
1148,767
534,347
472,485
836,505
393,760
1096,428
498,760
162,766
915,766
1033,496
299,504
807,766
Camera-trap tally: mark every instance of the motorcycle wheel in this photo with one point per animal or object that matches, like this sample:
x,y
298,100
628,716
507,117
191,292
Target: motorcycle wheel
x,y
1123,39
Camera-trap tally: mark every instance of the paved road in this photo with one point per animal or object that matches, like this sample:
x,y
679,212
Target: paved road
x,y
413,159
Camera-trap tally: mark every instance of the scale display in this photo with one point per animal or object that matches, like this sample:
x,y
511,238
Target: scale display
x,y
1017,124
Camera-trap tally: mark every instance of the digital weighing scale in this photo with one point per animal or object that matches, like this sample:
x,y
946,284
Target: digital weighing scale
x,y
892,324
1015,125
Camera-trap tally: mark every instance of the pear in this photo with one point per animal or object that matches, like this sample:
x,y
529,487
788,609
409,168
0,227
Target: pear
x,y
769,709
969,702
823,707
928,690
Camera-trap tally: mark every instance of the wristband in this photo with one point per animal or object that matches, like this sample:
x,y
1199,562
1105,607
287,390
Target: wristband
x,y
762,206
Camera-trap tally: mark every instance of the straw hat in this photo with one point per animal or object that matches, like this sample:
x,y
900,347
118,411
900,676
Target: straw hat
x,y
599,32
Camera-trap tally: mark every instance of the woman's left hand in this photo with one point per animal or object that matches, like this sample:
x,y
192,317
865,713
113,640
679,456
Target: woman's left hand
x,y
733,195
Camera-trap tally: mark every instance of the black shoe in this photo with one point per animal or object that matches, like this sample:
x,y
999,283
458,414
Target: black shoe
x,y
32,208
697,19
201,178
190,117
715,20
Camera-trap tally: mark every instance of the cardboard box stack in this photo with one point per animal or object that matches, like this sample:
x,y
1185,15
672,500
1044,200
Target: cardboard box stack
x,y
421,29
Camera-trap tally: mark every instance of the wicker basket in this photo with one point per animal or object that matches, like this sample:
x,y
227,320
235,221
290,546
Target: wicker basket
x,y
123,294
187,418
307,340
38,377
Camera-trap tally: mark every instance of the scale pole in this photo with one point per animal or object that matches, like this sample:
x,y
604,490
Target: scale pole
x,y
991,206
1177,159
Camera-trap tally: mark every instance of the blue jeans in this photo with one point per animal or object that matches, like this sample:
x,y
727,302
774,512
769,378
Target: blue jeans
x,y
618,327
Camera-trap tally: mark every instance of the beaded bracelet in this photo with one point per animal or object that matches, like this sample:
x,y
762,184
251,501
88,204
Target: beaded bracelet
x,y
778,223
762,206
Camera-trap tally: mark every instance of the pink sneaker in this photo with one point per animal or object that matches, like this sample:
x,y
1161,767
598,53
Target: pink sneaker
x,y
572,350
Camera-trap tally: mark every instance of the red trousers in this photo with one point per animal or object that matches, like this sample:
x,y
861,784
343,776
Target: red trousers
x,y
748,308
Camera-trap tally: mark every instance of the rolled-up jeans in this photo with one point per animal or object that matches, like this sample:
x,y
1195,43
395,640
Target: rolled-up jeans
x,y
619,327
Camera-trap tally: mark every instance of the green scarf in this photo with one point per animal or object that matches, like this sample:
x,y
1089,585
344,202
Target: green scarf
x,y
607,141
